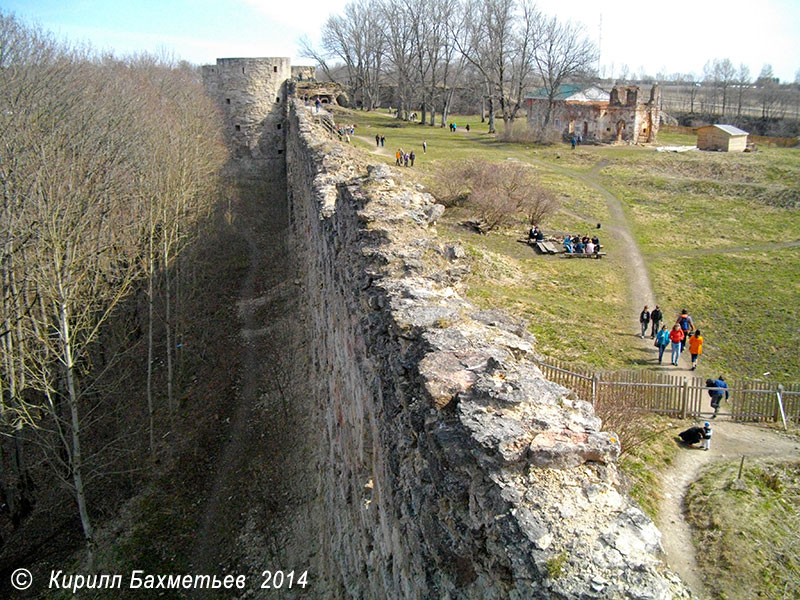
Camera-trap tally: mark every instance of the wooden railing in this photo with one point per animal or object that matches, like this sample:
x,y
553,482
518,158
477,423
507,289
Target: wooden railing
x,y
675,395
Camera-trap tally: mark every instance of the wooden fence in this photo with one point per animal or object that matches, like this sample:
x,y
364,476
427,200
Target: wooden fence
x,y
675,395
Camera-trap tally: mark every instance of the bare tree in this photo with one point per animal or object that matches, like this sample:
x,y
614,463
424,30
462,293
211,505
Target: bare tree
x,y
564,52
742,84
768,90
500,41
398,23
357,39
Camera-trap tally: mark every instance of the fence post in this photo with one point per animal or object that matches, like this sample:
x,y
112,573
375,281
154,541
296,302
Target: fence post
x,y
685,398
594,389
780,406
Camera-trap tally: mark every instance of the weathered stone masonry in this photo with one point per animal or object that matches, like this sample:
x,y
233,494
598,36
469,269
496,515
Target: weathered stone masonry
x,y
448,467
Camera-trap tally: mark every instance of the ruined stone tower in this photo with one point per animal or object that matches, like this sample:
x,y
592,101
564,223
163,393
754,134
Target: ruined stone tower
x,y
251,93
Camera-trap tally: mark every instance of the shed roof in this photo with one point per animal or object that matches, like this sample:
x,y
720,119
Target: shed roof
x,y
729,129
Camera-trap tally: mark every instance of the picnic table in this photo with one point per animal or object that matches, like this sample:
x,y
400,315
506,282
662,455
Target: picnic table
x,y
547,247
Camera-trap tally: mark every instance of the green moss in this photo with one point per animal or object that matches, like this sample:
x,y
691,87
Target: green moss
x,y
555,566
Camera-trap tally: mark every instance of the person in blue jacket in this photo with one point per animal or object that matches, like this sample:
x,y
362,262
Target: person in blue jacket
x,y
662,341
717,388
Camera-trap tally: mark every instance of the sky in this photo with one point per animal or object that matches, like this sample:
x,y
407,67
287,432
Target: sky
x,y
676,36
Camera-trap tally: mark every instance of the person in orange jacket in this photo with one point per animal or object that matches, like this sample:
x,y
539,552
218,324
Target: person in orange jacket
x,y
676,337
695,347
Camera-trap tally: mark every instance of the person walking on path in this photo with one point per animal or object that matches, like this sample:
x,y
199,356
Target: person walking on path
x,y
686,324
655,319
377,140
398,156
644,320
662,341
424,146
411,157
383,141
717,388
676,337
695,347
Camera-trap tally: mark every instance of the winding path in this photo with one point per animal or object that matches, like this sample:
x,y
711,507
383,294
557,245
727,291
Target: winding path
x,y
731,440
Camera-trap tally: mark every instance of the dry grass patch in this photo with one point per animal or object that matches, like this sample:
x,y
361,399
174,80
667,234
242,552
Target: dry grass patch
x,y
747,532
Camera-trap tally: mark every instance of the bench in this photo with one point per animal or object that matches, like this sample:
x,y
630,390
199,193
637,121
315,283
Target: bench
x,y
597,255
546,247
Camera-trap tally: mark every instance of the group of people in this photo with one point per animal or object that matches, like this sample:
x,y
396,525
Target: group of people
x,y
404,158
380,140
535,234
683,332
453,127
581,245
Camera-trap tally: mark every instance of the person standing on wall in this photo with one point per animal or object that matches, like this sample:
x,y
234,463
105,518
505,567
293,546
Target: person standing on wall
x,y
655,319
676,337
695,347
644,320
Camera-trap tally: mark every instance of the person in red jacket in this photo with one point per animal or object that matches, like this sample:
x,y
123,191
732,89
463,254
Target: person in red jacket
x,y
676,337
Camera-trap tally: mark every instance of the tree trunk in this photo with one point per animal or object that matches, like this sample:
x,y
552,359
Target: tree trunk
x,y
168,325
491,114
150,407
76,458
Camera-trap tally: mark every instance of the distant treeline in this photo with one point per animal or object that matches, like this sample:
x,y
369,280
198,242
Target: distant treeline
x,y
489,52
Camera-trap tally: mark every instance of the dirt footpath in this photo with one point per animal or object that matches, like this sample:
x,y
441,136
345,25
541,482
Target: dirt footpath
x,y
730,441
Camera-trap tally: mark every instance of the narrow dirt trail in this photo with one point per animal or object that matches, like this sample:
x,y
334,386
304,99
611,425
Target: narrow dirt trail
x,y
730,440
261,486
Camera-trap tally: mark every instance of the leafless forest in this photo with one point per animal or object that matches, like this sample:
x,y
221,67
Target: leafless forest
x,y
109,172
436,57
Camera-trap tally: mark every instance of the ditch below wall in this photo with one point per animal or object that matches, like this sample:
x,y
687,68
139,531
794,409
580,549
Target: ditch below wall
x,y
444,464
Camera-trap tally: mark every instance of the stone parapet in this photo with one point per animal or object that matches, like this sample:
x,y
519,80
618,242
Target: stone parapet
x,y
449,467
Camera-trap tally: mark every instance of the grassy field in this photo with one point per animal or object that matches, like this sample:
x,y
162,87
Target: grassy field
x,y
731,518
720,234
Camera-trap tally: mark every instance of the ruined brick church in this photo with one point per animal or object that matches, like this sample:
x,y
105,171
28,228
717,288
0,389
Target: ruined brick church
x,y
593,114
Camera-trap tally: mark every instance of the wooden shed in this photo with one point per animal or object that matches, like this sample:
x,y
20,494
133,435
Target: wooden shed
x,y
721,137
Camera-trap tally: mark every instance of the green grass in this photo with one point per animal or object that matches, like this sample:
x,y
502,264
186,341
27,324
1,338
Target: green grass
x,y
643,463
746,534
687,210
745,304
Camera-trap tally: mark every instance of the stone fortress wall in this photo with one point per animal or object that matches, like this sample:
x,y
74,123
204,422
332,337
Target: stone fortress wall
x,y
447,465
